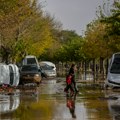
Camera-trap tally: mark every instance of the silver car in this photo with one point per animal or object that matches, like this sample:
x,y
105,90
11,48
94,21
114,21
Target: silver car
x,y
49,69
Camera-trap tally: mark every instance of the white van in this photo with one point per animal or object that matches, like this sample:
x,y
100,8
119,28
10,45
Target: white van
x,y
113,76
30,59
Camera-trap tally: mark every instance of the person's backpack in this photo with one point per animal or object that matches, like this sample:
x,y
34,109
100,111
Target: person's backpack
x,y
68,79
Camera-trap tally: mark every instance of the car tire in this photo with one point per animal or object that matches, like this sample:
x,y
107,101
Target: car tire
x,y
38,83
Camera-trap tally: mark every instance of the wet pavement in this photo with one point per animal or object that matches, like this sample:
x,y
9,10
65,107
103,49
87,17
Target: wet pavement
x,y
50,102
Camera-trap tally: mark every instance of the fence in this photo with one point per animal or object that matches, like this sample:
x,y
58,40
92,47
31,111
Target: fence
x,y
85,70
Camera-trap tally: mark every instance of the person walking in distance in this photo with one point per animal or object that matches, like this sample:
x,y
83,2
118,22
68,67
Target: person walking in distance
x,y
69,84
72,70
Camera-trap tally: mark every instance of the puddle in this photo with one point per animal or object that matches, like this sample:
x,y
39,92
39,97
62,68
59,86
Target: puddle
x,y
49,102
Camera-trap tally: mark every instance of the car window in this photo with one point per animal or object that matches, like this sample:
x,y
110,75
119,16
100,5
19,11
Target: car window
x,y
47,67
115,67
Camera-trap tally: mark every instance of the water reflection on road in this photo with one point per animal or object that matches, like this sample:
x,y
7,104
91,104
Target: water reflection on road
x,y
114,104
8,104
49,102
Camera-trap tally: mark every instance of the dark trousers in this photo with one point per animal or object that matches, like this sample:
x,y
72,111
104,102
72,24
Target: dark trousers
x,y
69,86
74,83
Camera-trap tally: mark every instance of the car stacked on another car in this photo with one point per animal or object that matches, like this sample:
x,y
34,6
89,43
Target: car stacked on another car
x,y
49,68
30,74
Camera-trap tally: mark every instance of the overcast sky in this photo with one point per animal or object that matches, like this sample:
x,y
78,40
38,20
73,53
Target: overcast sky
x,y
73,14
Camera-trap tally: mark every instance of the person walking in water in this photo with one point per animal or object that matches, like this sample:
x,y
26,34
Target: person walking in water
x,y
72,70
69,84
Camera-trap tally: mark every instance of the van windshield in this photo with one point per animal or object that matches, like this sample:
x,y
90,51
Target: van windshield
x,y
29,68
115,68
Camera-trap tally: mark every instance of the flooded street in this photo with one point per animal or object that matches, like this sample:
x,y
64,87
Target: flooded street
x,y
49,102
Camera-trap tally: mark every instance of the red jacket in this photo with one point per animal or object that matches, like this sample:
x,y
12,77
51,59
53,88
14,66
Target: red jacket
x,y
68,79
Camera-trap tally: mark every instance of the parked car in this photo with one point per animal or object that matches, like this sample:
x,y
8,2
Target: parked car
x,y
49,68
30,74
9,74
113,76
43,74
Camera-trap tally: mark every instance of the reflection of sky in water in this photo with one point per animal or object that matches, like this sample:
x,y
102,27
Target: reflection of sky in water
x,y
49,104
9,103
49,87
85,109
62,112
114,104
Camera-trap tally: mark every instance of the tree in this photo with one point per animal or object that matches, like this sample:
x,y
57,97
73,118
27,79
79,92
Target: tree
x,y
71,45
111,19
95,42
24,29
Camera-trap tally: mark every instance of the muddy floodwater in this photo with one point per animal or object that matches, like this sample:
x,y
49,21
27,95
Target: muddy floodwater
x,y
50,102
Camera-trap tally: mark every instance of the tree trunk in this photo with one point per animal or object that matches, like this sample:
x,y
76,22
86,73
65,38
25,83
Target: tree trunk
x,y
101,68
93,70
